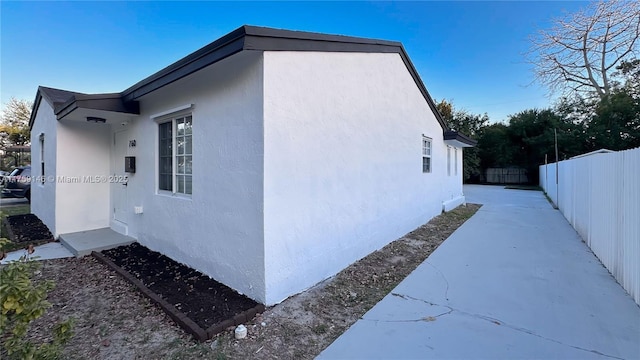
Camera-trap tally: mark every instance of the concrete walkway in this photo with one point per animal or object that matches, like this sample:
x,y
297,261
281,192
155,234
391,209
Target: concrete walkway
x,y
83,243
515,281
52,250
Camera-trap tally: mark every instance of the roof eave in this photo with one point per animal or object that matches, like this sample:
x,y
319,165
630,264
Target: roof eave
x,y
252,38
34,108
267,39
457,139
220,49
106,102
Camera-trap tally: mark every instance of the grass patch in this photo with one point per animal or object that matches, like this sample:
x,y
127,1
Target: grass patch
x,y
15,210
9,211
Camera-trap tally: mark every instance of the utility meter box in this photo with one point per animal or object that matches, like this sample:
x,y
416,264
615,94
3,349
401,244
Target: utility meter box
x,y
130,164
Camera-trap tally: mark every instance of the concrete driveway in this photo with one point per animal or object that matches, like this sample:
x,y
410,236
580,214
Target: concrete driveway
x,y
515,281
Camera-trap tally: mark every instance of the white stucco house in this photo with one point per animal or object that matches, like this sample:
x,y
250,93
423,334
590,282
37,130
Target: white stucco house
x,y
268,159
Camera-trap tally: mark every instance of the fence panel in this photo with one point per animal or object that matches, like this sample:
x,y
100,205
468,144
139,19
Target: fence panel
x,y
548,181
600,196
630,228
506,176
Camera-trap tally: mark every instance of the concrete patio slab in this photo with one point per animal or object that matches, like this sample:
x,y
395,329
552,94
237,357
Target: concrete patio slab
x,y
43,252
515,281
84,242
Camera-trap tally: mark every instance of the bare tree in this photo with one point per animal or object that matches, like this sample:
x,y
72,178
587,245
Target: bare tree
x,y
581,51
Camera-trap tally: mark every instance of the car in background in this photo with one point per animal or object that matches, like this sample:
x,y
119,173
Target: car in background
x,y
18,183
3,174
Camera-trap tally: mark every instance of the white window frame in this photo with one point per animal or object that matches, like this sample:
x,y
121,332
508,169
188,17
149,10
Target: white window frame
x,y
42,176
174,118
427,151
448,160
455,154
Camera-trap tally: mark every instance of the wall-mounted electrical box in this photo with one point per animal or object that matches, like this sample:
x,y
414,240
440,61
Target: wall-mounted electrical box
x,y
130,164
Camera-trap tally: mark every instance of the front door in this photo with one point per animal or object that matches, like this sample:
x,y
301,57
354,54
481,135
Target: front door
x,y
119,188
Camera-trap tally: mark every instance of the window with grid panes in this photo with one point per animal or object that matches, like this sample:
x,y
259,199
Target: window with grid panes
x,y
426,154
175,155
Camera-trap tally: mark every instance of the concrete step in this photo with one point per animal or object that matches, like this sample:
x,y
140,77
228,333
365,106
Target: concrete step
x,y
84,242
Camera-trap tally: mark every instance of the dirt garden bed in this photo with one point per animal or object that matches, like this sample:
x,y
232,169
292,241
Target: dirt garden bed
x,y
209,306
26,229
114,321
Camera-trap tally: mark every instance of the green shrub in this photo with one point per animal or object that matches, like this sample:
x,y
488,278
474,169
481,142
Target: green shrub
x,y
22,301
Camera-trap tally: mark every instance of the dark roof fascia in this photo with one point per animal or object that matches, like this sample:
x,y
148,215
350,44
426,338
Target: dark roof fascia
x,y
264,32
249,38
268,39
54,97
107,102
423,89
220,49
34,108
454,135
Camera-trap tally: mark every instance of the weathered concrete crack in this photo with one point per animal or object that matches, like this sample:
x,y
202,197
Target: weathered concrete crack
x,y
493,320
446,291
529,332
407,297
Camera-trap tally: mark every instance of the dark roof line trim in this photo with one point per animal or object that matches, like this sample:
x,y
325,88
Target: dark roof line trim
x,y
106,102
34,109
244,38
268,39
218,50
64,102
454,135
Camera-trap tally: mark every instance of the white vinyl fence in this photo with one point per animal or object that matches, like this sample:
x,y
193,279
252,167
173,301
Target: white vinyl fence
x,y
599,195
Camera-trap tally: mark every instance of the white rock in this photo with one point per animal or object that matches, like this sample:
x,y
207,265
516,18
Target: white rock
x,y
241,332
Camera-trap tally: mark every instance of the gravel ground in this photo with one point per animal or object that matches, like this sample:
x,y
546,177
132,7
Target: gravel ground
x,y
114,321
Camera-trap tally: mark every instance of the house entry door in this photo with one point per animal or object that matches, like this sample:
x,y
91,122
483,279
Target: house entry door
x,y
118,187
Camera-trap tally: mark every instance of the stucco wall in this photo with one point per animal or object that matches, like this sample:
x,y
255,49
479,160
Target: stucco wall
x,y
342,162
43,196
219,229
83,150
453,196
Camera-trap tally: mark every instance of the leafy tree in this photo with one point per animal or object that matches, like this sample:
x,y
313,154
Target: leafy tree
x,y
494,146
14,130
467,124
581,52
532,134
629,73
445,108
14,123
616,123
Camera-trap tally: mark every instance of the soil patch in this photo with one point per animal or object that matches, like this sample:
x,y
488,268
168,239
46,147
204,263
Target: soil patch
x,y
202,299
305,324
27,229
114,321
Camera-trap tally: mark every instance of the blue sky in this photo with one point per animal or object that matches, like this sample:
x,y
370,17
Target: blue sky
x,y
468,52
